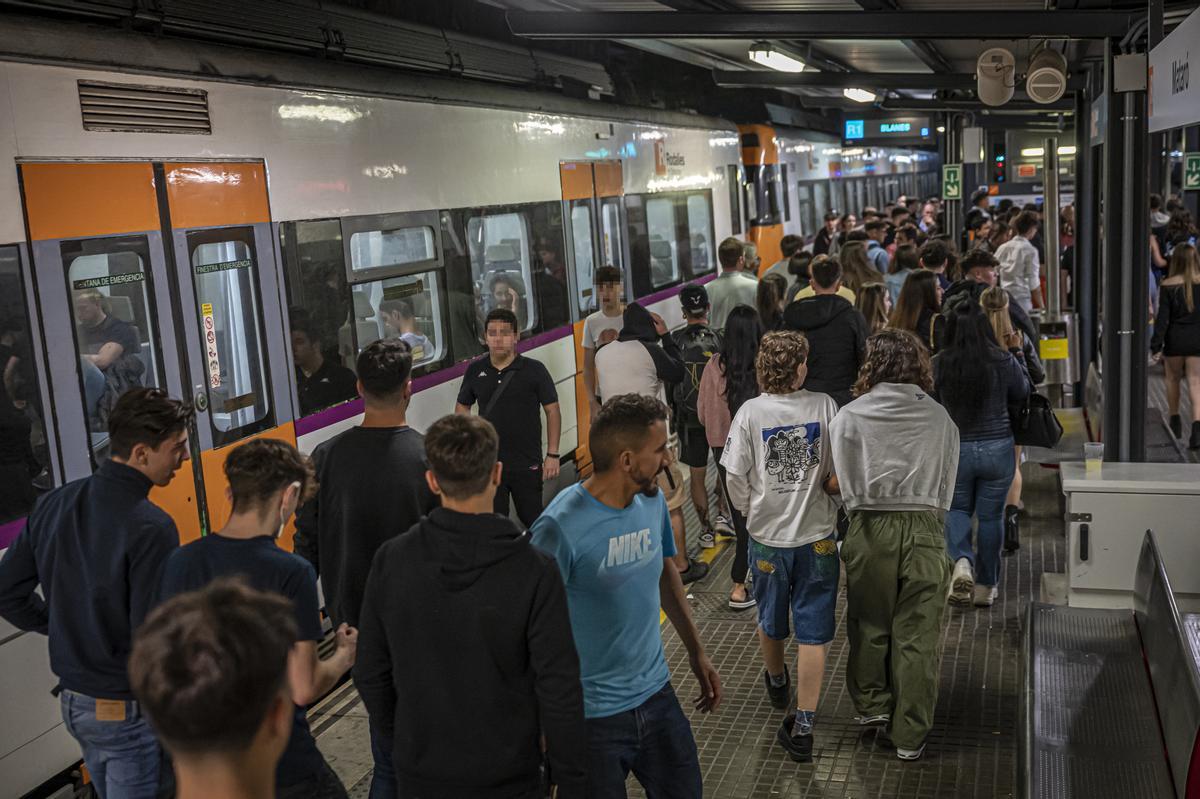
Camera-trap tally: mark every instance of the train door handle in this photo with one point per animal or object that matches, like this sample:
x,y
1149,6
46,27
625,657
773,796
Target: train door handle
x,y
200,401
1083,541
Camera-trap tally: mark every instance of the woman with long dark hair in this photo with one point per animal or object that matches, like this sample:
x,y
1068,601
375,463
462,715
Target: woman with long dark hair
x,y
857,270
875,304
1176,338
918,308
728,381
976,379
772,289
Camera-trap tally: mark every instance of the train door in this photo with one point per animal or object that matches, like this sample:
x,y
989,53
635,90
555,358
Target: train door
x,y
594,225
132,261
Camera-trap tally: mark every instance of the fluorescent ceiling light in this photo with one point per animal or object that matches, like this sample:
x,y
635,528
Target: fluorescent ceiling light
x,y
941,128
773,59
859,95
1038,152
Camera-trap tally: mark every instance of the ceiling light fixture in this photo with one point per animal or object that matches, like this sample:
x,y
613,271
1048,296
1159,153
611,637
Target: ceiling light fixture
x,y
858,95
1038,152
762,53
941,128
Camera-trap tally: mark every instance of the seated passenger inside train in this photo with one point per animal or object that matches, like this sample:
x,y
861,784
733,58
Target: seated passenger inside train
x,y
401,322
109,353
321,382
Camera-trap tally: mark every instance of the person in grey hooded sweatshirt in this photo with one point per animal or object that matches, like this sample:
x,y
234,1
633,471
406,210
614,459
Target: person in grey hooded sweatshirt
x,y
896,449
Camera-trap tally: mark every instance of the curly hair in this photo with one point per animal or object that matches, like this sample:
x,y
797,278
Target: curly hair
x,y
779,356
894,356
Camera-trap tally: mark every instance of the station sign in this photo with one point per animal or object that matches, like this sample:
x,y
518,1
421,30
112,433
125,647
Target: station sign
x,y
910,130
952,181
1191,171
1174,99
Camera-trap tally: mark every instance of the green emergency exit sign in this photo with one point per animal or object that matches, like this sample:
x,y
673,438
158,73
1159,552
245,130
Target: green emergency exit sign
x,y
1191,171
952,181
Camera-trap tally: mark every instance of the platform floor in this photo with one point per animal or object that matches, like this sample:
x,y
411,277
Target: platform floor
x,y
972,750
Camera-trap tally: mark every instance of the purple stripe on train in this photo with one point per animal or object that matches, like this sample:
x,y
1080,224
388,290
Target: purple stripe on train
x,y
9,531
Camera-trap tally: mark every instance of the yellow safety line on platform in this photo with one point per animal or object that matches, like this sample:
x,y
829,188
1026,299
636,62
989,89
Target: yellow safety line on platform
x,y
706,556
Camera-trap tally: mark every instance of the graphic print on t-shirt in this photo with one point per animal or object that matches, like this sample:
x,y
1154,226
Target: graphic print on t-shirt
x,y
791,451
627,548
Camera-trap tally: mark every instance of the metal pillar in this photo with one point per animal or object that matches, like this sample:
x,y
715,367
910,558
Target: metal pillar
x,y
1083,281
1191,144
953,155
1126,275
1050,224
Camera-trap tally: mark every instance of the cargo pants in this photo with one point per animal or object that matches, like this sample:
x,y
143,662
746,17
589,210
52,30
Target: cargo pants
x,y
897,574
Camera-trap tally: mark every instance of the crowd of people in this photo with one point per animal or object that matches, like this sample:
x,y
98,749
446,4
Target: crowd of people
x,y
854,401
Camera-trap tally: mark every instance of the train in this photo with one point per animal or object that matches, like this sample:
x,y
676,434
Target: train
x,y
239,236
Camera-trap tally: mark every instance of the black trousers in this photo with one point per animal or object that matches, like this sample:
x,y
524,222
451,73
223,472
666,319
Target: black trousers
x,y
741,554
524,485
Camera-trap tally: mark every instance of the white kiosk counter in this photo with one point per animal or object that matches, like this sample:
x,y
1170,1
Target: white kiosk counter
x,y
1109,511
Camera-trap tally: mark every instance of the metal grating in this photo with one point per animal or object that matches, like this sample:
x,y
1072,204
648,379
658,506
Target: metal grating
x,y
130,108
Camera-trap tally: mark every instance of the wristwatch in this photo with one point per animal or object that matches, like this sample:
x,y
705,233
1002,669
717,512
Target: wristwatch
x,y
553,455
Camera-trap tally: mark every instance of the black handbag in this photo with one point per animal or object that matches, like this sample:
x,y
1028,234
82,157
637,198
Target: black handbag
x,y
1034,423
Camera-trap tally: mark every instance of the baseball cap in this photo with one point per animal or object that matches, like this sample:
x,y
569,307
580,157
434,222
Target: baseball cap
x,y
693,297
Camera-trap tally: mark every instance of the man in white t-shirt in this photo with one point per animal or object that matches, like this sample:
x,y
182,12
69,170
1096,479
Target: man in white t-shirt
x,y
601,327
1020,270
778,465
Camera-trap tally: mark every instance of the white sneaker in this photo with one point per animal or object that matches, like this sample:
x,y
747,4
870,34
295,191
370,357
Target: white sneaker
x,y
879,719
910,754
707,540
721,524
985,596
961,582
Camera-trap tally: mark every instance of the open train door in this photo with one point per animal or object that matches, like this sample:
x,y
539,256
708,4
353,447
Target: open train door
x,y
594,220
147,256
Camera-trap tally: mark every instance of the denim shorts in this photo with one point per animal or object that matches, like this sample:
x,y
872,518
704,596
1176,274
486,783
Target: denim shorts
x,y
798,581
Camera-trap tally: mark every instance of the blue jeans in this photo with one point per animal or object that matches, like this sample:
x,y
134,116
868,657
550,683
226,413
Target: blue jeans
x,y
800,583
985,472
93,385
383,778
654,741
121,756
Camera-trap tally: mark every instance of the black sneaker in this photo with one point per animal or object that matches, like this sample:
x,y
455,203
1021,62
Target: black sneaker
x,y
696,570
781,696
1176,425
1194,441
798,747
1012,529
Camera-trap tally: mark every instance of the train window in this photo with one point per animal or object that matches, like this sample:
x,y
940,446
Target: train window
x,y
375,250
612,247
733,177
504,256
700,233
318,294
808,215
225,273
821,206
114,333
24,455
583,249
664,253
783,185
408,308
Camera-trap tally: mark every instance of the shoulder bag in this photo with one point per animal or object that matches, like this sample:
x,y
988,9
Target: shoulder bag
x,y
1034,423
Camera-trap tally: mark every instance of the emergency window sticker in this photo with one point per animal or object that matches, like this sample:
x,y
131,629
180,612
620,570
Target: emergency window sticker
x,y
109,280
210,345
224,266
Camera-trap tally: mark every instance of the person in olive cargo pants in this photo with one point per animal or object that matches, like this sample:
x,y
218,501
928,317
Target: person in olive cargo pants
x,y
898,441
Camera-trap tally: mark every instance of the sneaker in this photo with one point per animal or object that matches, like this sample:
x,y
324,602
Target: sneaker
x,y
877,720
985,596
1176,425
961,582
707,540
798,747
781,696
696,570
743,604
722,526
1194,440
910,754
1012,529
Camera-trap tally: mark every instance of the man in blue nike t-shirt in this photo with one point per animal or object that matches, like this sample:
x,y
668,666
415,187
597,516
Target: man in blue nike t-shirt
x,y
611,536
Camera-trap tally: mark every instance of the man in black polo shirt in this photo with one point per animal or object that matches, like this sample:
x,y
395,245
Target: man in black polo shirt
x,y
511,391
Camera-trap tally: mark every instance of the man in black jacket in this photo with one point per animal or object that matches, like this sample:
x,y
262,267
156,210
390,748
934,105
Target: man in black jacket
x,y
836,331
371,489
497,656
979,270
97,547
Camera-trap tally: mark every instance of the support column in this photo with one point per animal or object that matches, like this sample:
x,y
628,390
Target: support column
x,y
953,155
1083,280
1191,144
1126,274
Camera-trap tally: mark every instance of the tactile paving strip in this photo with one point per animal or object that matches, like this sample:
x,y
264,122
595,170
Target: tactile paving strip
x,y
972,750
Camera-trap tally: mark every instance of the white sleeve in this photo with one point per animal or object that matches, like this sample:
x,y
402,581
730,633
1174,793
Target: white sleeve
x,y
1034,270
589,340
738,460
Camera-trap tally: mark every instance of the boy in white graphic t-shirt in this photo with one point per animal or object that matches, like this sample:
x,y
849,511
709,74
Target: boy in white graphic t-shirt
x,y
779,464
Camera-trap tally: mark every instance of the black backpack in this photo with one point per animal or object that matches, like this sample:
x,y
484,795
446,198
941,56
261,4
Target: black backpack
x,y
697,344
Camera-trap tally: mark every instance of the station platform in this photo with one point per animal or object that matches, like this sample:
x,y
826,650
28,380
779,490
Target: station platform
x,y
972,752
